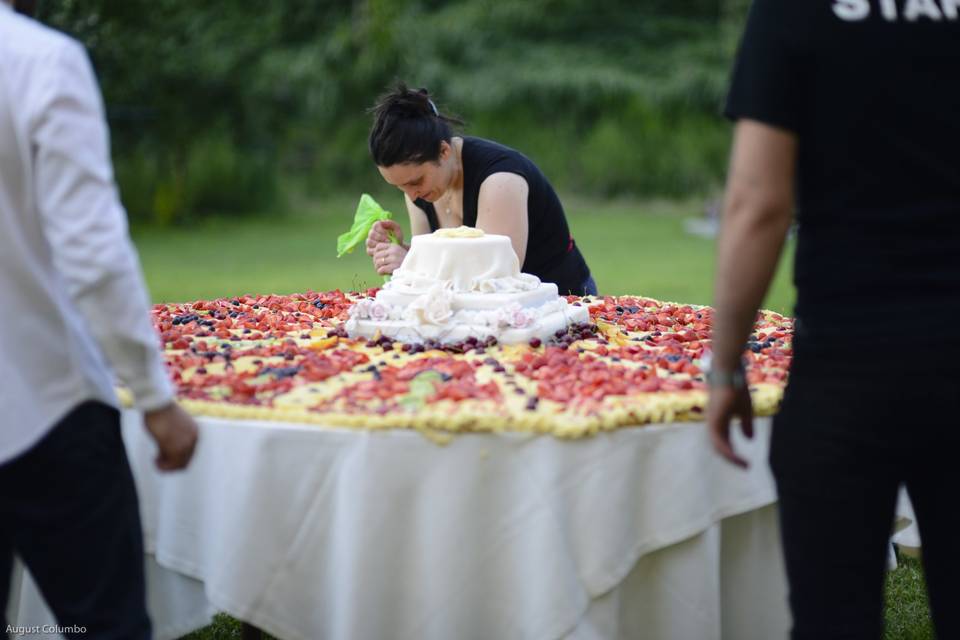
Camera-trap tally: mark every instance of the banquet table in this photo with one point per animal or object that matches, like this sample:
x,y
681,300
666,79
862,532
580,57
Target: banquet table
x,y
310,532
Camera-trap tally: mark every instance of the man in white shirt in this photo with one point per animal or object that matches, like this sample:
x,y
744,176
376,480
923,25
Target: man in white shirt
x,y
74,300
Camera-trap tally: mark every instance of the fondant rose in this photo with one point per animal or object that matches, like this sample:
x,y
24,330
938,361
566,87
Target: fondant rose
x,y
437,311
433,307
513,315
360,309
378,312
521,319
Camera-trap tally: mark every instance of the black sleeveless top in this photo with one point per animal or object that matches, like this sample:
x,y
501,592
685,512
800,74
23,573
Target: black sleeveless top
x,y
552,255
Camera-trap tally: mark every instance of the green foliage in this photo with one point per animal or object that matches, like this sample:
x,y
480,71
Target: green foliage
x,y
648,150
213,177
220,179
209,102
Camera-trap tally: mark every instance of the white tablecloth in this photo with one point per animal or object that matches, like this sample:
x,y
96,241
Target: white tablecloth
x,y
326,533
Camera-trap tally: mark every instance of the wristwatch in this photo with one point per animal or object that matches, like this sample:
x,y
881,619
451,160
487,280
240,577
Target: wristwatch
x,y
737,379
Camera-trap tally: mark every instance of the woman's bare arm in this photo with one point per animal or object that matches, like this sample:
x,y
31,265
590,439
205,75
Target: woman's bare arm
x,y
502,209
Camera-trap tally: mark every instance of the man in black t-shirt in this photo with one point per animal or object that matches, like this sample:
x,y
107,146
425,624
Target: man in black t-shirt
x,y
848,113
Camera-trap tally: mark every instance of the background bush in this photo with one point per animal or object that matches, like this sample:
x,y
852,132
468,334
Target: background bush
x,y
212,103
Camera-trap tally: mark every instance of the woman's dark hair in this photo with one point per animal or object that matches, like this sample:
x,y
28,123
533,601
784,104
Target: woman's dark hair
x,y
408,127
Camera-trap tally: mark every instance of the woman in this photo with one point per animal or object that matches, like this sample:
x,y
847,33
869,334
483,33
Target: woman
x,y
449,181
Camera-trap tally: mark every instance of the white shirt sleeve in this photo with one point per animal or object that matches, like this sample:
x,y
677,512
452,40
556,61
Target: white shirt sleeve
x,y
85,225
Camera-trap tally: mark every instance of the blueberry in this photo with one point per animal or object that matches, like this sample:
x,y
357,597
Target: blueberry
x,y
535,342
280,372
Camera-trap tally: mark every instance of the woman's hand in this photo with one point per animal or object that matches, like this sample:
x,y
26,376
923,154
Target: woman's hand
x,y
387,257
380,234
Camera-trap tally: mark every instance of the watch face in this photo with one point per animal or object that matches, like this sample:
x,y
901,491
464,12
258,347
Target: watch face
x,y
735,379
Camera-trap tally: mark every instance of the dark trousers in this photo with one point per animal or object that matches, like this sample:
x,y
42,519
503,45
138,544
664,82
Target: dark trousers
x,y
68,508
846,438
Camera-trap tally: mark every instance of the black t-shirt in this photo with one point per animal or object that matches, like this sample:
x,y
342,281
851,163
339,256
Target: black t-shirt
x,y
871,88
551,255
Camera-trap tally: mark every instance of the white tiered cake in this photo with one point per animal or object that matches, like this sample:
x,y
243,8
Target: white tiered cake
x,y
458,283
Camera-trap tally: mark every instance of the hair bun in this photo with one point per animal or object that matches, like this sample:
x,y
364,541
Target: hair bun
x,y
408,127
409,103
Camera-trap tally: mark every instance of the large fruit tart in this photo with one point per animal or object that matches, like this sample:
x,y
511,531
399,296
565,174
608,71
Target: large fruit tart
x,y
288,358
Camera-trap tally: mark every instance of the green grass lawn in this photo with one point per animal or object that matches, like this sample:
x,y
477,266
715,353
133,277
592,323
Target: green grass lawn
x,y
637,247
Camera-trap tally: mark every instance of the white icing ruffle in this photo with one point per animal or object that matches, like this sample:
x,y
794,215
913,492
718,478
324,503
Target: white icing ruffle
x,y
436,309
406,282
